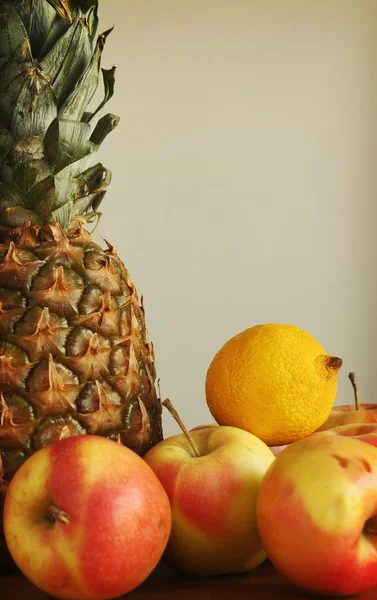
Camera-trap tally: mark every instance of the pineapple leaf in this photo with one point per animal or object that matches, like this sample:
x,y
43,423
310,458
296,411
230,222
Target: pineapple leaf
x,y
86,190
9,72
25,165
68,189
63,8
8,99
92,201
75,105
41,198
92,18
23,54
68,59
11,68
38,17
98,199
6,143
104,126
97,178
109,85
63,215
12,31
27,105
76,168
57,30
9,197
66,142
49,73
12,208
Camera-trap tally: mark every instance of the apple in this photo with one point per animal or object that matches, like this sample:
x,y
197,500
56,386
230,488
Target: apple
x,y
364,432
345,419
345,414
317,514
212,479
274,449
86,518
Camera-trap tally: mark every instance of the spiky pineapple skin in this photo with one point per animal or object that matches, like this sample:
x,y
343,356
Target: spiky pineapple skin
x,y
74,351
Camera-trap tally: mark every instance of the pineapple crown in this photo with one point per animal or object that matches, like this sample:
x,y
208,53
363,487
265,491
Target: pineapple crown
x,y
50,62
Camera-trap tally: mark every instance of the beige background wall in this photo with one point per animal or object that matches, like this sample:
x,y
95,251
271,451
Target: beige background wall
x,y
245,183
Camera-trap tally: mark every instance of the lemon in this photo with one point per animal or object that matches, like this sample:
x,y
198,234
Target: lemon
x,y
275,381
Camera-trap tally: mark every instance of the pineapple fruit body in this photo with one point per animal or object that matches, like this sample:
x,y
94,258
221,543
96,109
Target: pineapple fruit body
x,y
74,351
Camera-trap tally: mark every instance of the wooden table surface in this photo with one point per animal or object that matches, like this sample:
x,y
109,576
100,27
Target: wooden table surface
x,y
263,583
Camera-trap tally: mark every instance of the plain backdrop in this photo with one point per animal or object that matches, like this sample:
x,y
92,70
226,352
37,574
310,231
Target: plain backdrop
x,y
245,177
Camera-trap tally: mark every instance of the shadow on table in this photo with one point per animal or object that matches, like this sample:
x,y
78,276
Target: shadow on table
x,y
264,583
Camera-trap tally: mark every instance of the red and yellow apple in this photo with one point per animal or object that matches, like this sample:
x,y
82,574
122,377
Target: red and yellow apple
x,y
317,514
364,432
213,498
345,414
86,518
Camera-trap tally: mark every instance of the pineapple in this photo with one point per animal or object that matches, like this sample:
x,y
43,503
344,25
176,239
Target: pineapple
x,y
74,352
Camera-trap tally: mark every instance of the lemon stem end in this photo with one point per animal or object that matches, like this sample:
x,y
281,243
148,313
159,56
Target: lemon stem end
x,y
333,363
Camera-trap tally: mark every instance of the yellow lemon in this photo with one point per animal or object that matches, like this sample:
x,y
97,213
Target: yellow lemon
x,y
275,381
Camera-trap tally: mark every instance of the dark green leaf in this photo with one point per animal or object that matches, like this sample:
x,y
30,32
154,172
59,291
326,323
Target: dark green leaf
x,y
83,193
9,196
38,17
8,72
58,28
23,54
104,126
25,165
67,188
109,84
63,8
92,18
68,59
86,203
8,99
11,68
6,143
41,198
66,142
75,105
27,105
12,30
96,178
98,200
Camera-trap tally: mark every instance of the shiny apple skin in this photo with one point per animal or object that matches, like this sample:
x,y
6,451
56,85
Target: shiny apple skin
x,y
118,519
213,498
317,514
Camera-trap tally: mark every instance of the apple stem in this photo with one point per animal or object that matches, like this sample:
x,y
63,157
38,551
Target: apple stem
x,y
352,377
55,514
168,404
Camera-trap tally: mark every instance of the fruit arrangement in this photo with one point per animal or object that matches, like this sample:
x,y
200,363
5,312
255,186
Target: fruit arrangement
x,y
86,517
91,495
